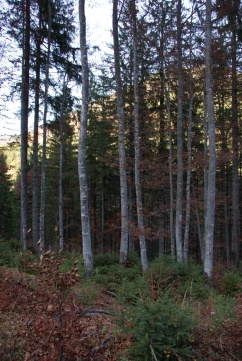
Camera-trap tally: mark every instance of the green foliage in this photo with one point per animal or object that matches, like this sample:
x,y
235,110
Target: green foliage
x,y
68,259
231,282
87,292
106,259
161,330
223,309
116,274
8,215
184,280
9,252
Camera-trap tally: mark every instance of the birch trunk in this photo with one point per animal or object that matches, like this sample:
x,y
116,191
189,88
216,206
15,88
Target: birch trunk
x,y
86,233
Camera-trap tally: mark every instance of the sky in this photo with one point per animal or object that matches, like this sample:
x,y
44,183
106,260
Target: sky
x,y
99,24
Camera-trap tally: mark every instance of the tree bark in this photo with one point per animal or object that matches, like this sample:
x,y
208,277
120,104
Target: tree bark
x,y
24,118
35,210
210,201
43,171
139,203
179,190
121,141
235,149
86,233
61,153
171,186
189,151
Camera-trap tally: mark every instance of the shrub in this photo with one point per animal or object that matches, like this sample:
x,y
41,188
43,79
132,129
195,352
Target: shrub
x,y
106,259
223,309
184,280
231,283
161,330
9,252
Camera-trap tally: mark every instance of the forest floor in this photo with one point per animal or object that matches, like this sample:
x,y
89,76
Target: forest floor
x,y
48,312
39,323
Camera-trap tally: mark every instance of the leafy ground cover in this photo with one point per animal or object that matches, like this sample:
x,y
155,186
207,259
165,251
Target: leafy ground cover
x,y
48,311
41,322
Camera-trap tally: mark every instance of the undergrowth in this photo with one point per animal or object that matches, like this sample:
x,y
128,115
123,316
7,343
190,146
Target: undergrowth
x,y
166,313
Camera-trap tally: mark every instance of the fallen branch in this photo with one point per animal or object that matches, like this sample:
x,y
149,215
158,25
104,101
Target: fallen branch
x,y
93,312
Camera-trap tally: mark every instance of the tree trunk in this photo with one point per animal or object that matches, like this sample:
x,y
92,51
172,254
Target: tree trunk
x,y
168,105
199,231
35,213
235,149
61,152
24,118
189,151
121,140
188,183
43,171
179,191
210,201
139,203
86,233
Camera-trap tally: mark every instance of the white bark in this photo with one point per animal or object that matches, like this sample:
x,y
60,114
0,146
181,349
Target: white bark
x,y
35,185
86,233
210,201
61,151
121,141
179,191
189,151
168,106
139,203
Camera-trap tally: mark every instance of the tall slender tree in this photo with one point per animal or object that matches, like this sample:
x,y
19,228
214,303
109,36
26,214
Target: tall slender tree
x,y
139,202
24,116
121,139
43,172
210,200
35,186
179,190
86,234
234,13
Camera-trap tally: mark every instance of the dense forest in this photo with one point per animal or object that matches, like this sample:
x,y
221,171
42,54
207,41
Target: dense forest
x,y
151,162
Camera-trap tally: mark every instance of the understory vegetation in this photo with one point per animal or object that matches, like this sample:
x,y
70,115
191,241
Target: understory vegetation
x,y
49,311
